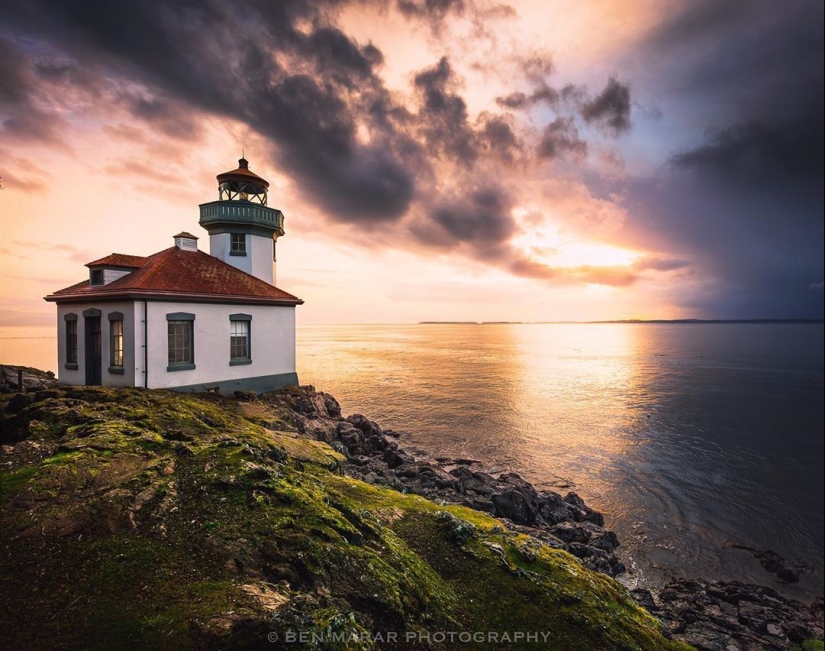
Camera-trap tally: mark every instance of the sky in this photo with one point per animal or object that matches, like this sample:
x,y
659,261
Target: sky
x,y
435,159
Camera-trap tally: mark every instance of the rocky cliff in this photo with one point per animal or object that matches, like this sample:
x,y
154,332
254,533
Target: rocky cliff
x,y
156,520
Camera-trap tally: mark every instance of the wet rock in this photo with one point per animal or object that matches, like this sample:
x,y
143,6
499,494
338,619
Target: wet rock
x,y
732,615
581,511
778,566
514,505
332,407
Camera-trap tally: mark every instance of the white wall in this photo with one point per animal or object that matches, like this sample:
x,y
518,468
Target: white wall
x,y
262,254
69,376
272,345
258,258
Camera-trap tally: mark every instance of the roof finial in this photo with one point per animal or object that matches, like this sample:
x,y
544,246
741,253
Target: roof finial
x,y
243,162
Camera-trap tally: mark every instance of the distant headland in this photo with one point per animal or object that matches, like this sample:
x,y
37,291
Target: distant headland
x,y
676,321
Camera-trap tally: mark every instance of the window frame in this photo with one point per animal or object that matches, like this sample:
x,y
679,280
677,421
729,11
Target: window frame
x,y
235,319
237,246
70,334
173,320
115,338
96,277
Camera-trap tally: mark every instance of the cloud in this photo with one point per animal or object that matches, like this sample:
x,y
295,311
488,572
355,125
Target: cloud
x,y
610,109
21,119
543,94
612,276
743,201
561,137
434,10
483,217
446,128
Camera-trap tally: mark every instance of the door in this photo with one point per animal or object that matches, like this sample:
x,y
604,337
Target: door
x,y
94,372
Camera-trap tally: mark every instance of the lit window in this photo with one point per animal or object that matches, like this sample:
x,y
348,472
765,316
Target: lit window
x,y
116,335
237,243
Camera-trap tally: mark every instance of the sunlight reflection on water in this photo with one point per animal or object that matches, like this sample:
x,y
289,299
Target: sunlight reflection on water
x,y
689,437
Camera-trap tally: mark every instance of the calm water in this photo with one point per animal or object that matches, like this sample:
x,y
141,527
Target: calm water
x,y
690,438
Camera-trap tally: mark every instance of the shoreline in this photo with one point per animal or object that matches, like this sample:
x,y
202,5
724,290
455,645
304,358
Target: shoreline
x,y
703,613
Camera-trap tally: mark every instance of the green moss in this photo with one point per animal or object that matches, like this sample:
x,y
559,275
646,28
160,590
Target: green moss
x,y
160,510
12,482
809,645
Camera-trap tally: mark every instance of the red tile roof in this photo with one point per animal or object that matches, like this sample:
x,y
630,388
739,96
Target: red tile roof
x,y
178,274
119,260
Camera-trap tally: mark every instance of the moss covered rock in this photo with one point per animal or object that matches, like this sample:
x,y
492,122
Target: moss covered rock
x,y
158,520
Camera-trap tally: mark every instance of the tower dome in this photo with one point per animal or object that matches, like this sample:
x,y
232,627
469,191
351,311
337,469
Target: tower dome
x,y
242,229
242,184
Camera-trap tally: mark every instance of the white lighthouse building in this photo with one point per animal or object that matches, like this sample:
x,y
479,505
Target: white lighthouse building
x,y
184,319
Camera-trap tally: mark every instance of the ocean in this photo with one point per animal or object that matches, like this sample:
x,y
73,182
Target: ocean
x,y
691,438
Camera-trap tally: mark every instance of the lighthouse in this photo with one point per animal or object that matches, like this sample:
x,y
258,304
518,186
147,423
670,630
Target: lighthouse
x,y
243,229
181,318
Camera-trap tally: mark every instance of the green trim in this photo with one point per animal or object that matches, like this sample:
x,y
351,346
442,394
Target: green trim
x,y
96,277
238,253
72,366
187,366
70,317
116,370
247,229
240,361
240,317
257,384
115,316
92,312
180,316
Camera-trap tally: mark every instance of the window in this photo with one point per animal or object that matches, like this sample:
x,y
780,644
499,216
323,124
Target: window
x,y
97,277
116,341
237,244
71,341
181,339
240,347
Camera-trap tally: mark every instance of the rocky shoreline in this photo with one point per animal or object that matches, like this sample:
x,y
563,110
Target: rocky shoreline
x,y
707,615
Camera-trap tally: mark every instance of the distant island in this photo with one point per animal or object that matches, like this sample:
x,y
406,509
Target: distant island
x,y
677,321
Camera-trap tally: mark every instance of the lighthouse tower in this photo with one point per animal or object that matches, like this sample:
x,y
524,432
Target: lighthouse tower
x,y
242,229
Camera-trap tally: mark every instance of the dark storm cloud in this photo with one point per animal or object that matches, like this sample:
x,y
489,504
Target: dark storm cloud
x,y
20,117
746,205
482,217
559,138
218,58
543,94
169,117
610,108
499,140
778,152
446,127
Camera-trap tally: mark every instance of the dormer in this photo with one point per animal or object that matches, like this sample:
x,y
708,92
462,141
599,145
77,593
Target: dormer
x,y
112,267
